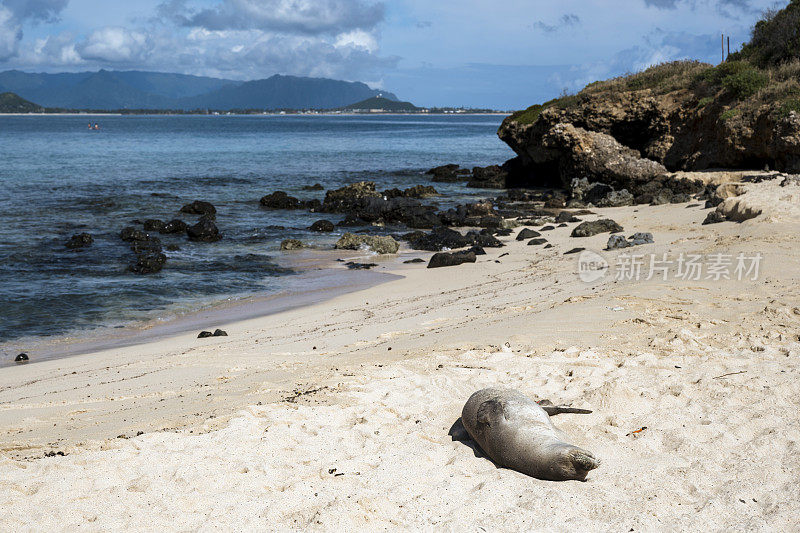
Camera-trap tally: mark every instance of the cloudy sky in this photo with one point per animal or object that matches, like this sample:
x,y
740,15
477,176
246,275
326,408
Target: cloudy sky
x,y
503,54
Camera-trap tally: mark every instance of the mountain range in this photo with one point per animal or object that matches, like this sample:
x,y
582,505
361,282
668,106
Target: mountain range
x,y
111,90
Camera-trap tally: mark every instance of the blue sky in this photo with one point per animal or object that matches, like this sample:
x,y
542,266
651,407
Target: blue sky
x,y
503,54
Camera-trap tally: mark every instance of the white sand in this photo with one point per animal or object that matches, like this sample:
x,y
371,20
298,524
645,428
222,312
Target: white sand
x,y
710,368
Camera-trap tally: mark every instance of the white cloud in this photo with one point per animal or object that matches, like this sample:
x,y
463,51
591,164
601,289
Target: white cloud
x,y
10,34
115,44
310,17
357,39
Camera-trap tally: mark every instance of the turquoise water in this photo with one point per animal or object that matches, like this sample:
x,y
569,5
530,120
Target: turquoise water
x,y
58,178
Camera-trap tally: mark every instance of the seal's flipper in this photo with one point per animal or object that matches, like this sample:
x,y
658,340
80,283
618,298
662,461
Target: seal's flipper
x,y
553,410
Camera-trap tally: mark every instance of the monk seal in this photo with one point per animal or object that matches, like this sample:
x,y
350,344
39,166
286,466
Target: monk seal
x,y
516,433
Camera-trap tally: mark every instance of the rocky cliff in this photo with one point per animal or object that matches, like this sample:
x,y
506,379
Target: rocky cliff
x,y
631,131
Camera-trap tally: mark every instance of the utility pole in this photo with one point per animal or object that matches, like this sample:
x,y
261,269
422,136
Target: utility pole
x,y
722,45
729,45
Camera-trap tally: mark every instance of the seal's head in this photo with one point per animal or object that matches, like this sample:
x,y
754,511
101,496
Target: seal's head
x,y
571,463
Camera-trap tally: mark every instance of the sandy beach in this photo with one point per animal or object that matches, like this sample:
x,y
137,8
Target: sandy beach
x,y
336,415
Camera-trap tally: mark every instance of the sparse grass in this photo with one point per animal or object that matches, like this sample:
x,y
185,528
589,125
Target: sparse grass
x,y
765,74
729,114
704,102
530,115
789,106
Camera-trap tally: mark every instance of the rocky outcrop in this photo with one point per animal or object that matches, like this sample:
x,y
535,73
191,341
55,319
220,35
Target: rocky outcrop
x,y
376,243
627,138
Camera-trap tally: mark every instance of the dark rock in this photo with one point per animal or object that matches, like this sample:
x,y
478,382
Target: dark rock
x,y
131,234
172,247
325,226
441,237
415,260
445,259
199,207
448,174
615,242
205,335
149,245
280,200
312,205
537,242
547,228
485,239
503,232
555,202
566,216
291,244
574,251
21,358
315,187
641,238
204,231
527,233
173,226
220,333
587,229
477,250
681,198
360,266
148,262
412,236
350,197
491,177
153,224
379,244
563,225
546,246
79,240
617,199
418,191
600,194
715,217
661,197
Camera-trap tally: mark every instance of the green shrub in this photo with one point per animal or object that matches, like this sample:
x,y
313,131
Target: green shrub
x,y
715,75
745,83
729,114
790,105
704,101
529,115
775,38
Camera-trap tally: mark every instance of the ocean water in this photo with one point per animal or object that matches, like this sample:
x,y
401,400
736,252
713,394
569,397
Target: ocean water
x,y
57,178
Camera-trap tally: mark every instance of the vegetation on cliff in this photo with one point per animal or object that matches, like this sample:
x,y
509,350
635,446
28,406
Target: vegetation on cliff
x,y
689,115
12,103
765,72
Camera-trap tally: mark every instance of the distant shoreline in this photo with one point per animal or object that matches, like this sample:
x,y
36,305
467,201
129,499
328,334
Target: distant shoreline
x,y
227,114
